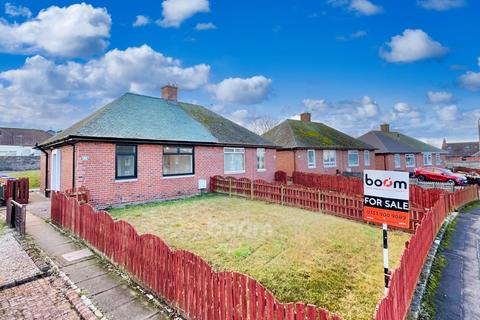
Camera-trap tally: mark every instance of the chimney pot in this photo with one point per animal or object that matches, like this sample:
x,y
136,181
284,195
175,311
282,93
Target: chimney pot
x,y
385,127
306,117
170,92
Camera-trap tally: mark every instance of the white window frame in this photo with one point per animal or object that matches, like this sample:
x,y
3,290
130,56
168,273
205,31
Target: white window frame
x,y
261,153
366,158
352,152
235,151
428,156
438,159
397,161
411,156
311,165
326,159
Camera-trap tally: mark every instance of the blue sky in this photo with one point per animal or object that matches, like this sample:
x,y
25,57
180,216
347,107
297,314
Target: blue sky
x,y
353,63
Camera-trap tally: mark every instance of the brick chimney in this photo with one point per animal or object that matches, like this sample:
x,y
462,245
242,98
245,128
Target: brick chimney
x,y
306,117
170,92
385,127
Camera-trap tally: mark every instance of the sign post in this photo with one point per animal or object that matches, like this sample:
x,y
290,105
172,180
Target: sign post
x,y
386,201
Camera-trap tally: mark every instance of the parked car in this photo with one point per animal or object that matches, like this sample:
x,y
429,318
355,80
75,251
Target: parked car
x,y
440,175
472,176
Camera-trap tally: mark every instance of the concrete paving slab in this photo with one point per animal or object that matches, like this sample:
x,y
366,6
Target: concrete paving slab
x,y
133,311
77,255
80,264
80,274
115,297
98,284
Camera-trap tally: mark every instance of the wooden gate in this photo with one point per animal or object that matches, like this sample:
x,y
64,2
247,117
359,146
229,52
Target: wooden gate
x,y
17,190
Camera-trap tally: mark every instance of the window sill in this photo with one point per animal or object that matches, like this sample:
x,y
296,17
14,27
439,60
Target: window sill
x,y
312,167
179,176
261,170
329,166
125,180
353,165
234,172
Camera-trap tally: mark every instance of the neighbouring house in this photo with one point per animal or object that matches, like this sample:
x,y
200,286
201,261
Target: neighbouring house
x,y
17,151
462,154
397,151
308,146
139,148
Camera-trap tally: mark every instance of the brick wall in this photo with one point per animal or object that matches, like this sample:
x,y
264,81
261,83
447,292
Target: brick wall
x,y
390,162
301,162
286,161
95,169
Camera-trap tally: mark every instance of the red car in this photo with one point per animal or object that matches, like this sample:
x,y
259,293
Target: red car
x,y
440,175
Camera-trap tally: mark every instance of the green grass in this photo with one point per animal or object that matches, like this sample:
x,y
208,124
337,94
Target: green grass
x,y
299,255
429,308
33,176
470,206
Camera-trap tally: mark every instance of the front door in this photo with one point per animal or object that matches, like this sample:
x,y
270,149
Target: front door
x,y
55,184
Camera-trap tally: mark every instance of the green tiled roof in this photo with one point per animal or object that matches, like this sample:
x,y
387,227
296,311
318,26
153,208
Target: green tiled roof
x,y
138,117
300,134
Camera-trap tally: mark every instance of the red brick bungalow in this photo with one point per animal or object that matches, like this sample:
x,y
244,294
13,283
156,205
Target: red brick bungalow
x,y
396,151
139,148
309,146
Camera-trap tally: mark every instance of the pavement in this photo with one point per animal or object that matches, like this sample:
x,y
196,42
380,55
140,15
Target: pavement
x,y
107,290
458,296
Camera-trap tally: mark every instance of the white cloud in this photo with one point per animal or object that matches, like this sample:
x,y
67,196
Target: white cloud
x,y
360,7
354,35
447,113
17,11
315,104
365,7
368,108
440,5
141,21
75,31
242,90
205,26
176,11
402,107
412,45
438,97
470,80
42,92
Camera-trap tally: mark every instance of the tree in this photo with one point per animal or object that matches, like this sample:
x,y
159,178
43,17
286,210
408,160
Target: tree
x,y
263,124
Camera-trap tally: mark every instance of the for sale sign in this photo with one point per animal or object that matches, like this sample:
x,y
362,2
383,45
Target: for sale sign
x,y
386,197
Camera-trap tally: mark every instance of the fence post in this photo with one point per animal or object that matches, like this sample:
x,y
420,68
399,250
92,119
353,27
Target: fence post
x,y
9,212
319,199
251,189
230,187
282,192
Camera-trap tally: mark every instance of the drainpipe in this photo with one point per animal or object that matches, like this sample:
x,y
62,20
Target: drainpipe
x,y
73,164
47,194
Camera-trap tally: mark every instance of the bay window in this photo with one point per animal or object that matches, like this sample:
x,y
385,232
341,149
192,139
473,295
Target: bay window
x,y
234,160
178,160
125,161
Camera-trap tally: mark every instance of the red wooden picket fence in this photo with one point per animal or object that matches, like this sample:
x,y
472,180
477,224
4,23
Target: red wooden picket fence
x,y
17,189
419,197
404,279
345,205
350,185
184,280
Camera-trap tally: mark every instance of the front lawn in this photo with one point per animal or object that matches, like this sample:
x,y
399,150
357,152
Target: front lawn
x,y
32,175
299,255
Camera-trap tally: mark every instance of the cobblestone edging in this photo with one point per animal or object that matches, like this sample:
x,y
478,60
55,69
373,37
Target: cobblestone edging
x,y
416,304
84,306
130,281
